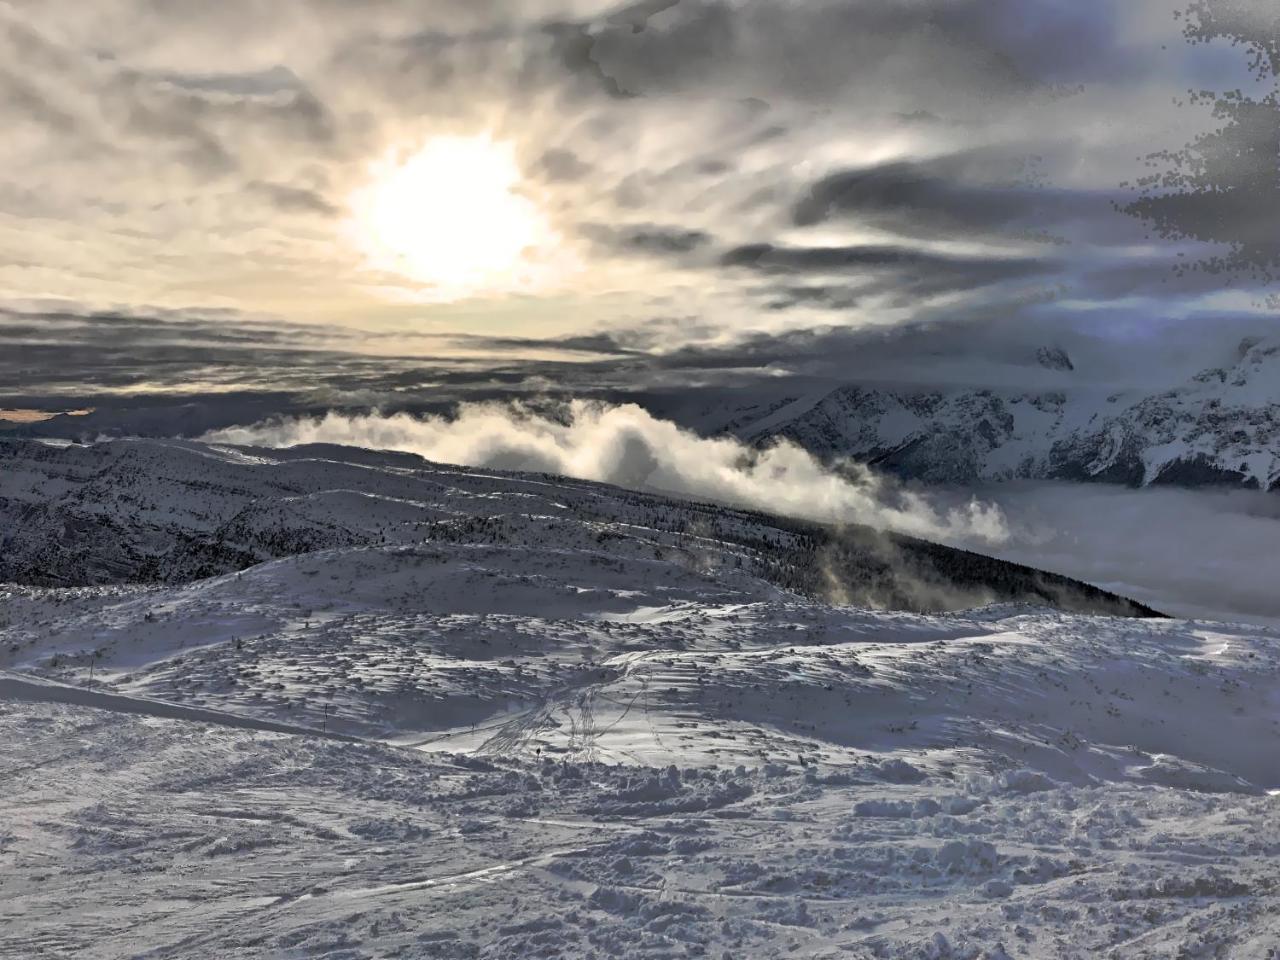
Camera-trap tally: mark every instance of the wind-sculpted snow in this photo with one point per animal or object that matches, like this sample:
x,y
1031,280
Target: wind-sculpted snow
x,y
125,837
536,722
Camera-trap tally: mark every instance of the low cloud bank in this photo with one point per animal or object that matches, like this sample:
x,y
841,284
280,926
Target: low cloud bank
x,y
1193,553
628,447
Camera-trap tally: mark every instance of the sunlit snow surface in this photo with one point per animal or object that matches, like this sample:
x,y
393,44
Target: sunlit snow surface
x,y
574,747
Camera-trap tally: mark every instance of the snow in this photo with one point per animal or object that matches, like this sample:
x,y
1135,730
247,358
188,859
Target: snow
x,y
568,745
1220,427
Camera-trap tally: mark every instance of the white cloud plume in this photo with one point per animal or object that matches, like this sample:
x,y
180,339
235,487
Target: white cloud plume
x,y
628,447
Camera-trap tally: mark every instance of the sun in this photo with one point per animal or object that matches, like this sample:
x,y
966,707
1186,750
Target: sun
x,y
451,219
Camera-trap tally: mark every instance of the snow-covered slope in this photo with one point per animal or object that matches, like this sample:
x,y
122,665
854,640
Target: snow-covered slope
x,y
1222,427
520,717
138,511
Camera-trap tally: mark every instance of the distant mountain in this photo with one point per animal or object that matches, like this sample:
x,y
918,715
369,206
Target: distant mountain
x,y
1054,358
147,511
1220,428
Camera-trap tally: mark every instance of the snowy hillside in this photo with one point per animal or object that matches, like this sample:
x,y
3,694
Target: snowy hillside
x,y
1222,427
143,511
419,711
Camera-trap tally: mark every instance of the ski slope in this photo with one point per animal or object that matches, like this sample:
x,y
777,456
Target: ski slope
x,y
561,744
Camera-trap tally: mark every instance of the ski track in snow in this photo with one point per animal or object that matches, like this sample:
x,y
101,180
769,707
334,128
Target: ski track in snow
x,y
567,747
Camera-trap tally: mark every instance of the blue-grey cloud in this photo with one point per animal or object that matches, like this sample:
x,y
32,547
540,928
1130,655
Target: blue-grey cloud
x,y
759,173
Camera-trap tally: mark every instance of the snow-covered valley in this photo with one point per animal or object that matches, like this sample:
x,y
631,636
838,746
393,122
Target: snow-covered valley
x,y
385,708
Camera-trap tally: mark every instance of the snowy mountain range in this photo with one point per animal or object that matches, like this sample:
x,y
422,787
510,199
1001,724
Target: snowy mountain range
x,y
1220,428
324,702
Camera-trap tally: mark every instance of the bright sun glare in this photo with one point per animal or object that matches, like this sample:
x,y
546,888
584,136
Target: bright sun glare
x,y
450,217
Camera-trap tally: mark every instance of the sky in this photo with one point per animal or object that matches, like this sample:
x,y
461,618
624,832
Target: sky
x,y
388,196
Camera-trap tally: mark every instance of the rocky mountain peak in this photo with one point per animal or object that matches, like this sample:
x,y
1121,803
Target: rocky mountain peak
x,y
1054,358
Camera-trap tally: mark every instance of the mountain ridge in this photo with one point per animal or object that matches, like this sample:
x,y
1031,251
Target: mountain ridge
x,y
146,511
1222,427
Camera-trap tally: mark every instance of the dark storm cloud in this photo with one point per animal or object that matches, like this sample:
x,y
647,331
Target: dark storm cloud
x,y
809,52
998,349
71,322
60,349
896,271
1224,188
936,66
970,49
827,351
646,239
777,172
69,355
768,258
574,48
835,351
982,191
822,296
599,344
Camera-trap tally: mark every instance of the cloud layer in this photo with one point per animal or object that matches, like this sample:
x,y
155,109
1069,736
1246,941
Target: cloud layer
x,y
628,447
763,168
1193,553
